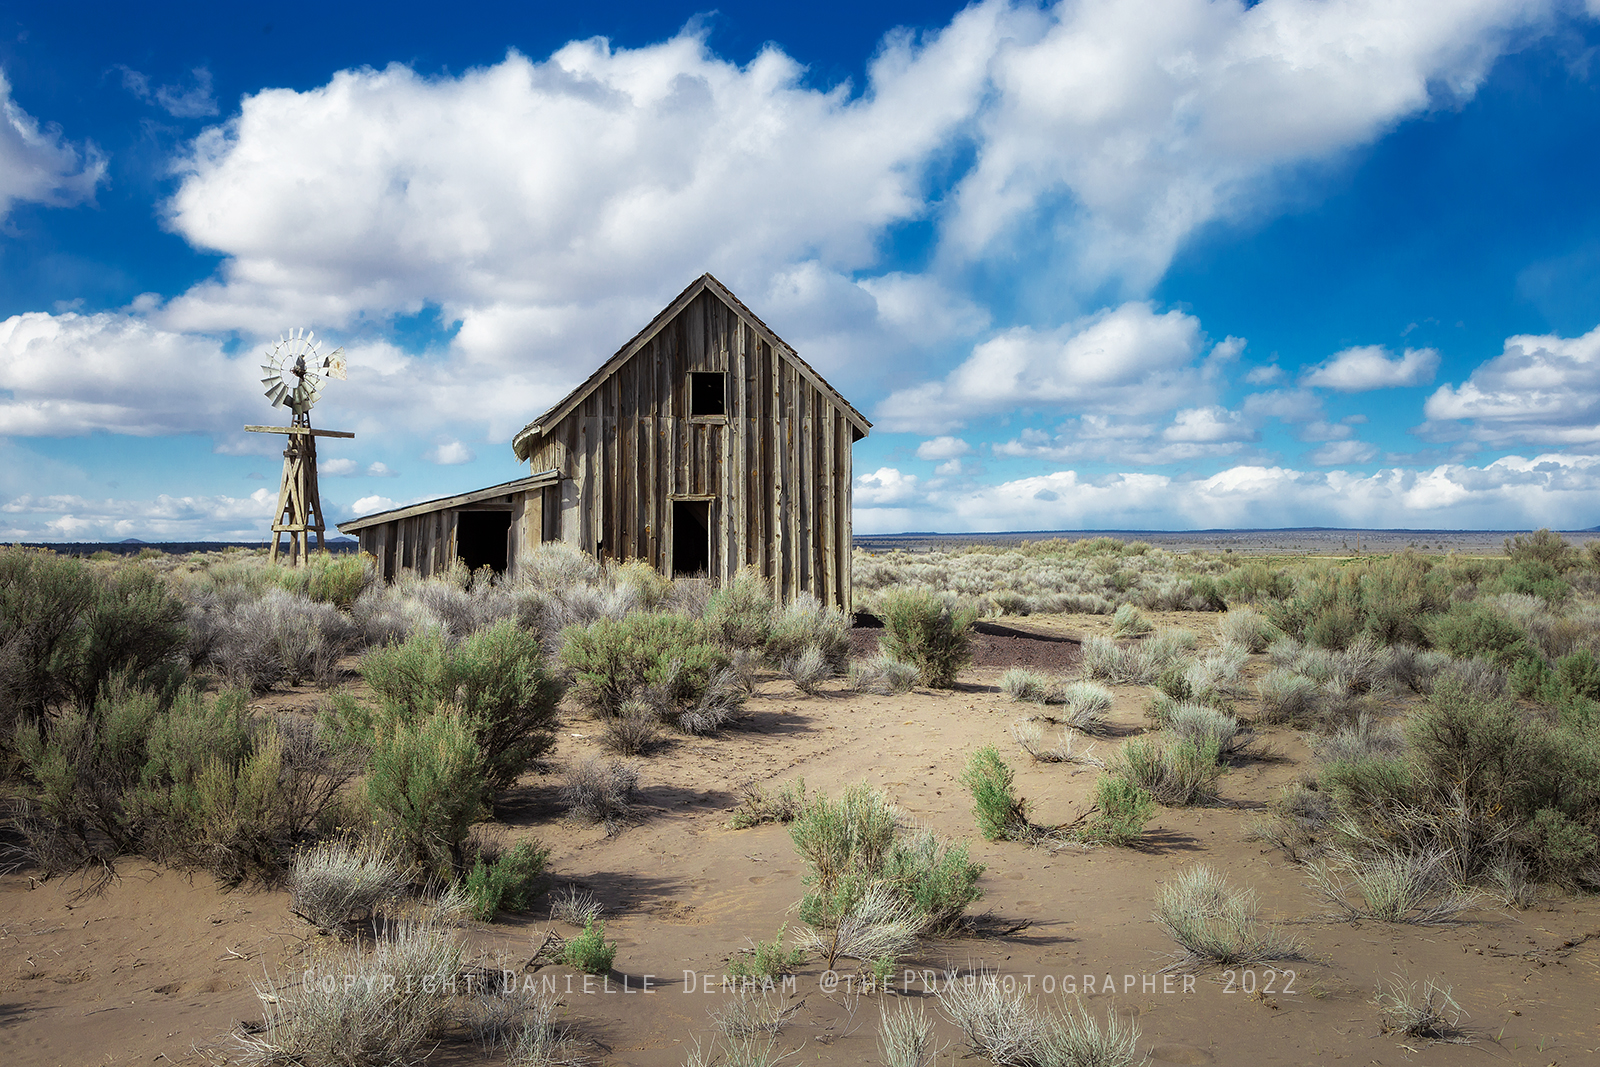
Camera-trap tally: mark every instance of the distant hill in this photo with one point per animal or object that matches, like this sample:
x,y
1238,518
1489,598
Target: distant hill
x,y
133,546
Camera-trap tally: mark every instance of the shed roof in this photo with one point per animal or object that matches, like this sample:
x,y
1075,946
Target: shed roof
x,y
523,442
518,485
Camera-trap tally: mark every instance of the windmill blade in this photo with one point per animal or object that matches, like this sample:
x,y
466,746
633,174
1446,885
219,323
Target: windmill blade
x,y
277,394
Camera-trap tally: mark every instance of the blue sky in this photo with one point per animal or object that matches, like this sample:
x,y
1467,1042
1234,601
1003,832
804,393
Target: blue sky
x,y
1163,264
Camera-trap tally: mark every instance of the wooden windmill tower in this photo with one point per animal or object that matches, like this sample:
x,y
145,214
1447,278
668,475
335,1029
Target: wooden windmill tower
x,y
294,375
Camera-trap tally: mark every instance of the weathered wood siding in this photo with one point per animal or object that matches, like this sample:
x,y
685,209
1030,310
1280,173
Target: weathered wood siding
x,y
426,543
775,468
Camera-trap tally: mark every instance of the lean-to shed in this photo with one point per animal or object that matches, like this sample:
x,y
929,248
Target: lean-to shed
x,y
704,445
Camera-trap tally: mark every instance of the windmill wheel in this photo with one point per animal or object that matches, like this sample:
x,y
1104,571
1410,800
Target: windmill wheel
x,y
295,370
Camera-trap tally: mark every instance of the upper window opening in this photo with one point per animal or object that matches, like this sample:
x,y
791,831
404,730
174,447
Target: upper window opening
x,y
708,393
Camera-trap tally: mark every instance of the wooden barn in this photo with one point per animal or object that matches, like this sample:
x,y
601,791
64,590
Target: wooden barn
x,y
704,445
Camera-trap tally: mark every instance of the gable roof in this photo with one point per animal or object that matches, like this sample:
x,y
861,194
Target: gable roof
x,y
516,485
522,444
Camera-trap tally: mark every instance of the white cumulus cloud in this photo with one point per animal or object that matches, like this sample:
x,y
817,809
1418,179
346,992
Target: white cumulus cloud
x,y
1541,389
37,164
1366,367
1124,360
945,447
450,453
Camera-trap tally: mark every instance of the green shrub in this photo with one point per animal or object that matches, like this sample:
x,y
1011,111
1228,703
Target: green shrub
x,y
184,779
1476,630
1176,773
920,630
1542,546
64,630
428,782
1580,672
613,661
1129,621
497,680
855,850
739,614
1121,810
766,959
803,624
512,882
1531,578
338,580
938,877
1002,815
590,952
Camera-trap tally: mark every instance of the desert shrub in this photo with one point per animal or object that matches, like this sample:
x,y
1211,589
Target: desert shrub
x,y
1002,815
601,790
1364,739
808,669
1022,684
1255,581
872,886
874,924
1176,773
998,1021
338,580
1286,696
1121,810
1428,1012
905,1036
805,623
612,661
343,879
766,959
348,1010
65,630
739,615
1394,885
633,729
512,881
576,906
757,806
1476,630
590,952
497,680
428,783
721,699
1129,621
919,629
179,777
1541,546
1210,729
283,637
642,582
1408,668
1086,703
939,878
883,675
1248,629
1213,923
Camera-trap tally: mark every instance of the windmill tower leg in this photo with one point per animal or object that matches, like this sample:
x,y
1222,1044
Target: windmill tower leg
x,y
299,504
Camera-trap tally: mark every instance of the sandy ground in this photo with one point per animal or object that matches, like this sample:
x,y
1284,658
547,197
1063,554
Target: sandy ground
x,y
160,966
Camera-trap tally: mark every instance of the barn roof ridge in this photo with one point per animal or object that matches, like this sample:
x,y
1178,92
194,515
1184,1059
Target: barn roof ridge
x,y
558,411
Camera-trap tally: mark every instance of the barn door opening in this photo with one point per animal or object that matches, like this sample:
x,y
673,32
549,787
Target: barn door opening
x,y
691,537
481,538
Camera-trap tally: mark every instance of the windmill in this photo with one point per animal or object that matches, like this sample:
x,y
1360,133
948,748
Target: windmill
x,y
294,374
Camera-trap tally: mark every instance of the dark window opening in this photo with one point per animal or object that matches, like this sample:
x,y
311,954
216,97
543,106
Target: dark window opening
x,y
481,539
708,393
691,537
